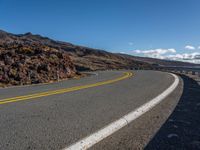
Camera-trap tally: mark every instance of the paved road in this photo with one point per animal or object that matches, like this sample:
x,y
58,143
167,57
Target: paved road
x,y
57,121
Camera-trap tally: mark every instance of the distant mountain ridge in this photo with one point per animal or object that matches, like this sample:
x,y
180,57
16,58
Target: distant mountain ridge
x,y
162,62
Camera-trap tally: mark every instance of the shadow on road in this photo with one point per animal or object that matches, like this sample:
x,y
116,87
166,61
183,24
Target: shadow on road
x,y
182,128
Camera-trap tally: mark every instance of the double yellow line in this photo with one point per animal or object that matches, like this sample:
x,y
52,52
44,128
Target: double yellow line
x,y
65,90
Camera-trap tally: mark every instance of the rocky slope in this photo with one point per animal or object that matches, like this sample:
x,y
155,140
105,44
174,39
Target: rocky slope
x,y
84,58
28,59
27,62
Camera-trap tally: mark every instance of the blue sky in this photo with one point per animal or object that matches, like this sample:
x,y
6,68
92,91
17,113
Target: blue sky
x,y
166,29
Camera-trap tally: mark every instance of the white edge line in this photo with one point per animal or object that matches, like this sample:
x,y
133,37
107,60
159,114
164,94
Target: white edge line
x,y
94,138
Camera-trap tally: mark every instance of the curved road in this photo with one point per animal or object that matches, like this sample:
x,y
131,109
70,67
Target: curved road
x,y
51,116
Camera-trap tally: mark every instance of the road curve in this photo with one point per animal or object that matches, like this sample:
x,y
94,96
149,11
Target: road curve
x,y
54,121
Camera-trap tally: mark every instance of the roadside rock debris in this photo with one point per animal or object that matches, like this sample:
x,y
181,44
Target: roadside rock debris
x,y
31,63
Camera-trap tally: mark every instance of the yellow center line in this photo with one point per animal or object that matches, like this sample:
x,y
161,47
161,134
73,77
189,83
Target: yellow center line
x,y
65,90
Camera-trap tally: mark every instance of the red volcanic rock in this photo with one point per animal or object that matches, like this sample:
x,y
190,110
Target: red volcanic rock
x,y
33,63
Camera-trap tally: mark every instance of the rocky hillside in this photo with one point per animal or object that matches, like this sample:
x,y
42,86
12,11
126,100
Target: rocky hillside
x,y
28,58
84,58
27,62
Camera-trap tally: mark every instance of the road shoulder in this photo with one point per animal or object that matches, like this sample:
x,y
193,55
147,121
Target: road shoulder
x,y
181,130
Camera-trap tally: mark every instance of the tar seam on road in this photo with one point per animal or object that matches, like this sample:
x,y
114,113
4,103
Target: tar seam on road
x,y
96,137
65,90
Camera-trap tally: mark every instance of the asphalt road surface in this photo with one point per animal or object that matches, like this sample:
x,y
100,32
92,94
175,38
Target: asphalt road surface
x,y
54,116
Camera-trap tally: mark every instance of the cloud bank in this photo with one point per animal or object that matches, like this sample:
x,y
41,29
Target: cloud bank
x,y
186,57
155,53
171,54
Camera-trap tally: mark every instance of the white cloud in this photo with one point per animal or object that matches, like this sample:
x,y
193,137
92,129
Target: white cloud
x,y
130,43
199,47
170,54
186,57
189,47
155,53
